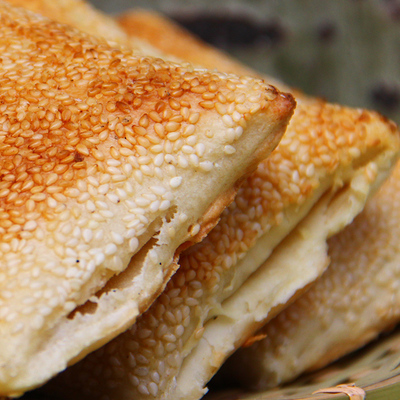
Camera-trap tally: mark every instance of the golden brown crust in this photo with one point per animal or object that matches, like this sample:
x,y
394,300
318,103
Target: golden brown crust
x,y
79,14
59,160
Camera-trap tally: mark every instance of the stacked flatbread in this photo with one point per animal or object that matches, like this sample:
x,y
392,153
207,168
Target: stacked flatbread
x,y
356,299
111,164
269,246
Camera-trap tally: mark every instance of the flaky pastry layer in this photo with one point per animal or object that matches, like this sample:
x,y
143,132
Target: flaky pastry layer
x,y
354,301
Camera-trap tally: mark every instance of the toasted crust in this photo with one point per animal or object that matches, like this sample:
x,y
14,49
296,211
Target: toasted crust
x,y
79,14
101,150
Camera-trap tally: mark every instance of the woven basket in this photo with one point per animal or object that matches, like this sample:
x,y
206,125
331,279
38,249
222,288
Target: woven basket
x,y
375,369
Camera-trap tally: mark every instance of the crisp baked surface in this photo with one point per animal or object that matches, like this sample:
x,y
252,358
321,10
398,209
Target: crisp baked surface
x,y
82,15
354,301
79,14
103,155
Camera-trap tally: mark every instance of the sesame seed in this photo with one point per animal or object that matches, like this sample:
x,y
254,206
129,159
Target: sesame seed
x,y
195,229
194,160
117,238
30,226
206,166
87,235
228,149
110,249
200,149
207,104
143,389
112,197
175,182
194,118
227,119
133,244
